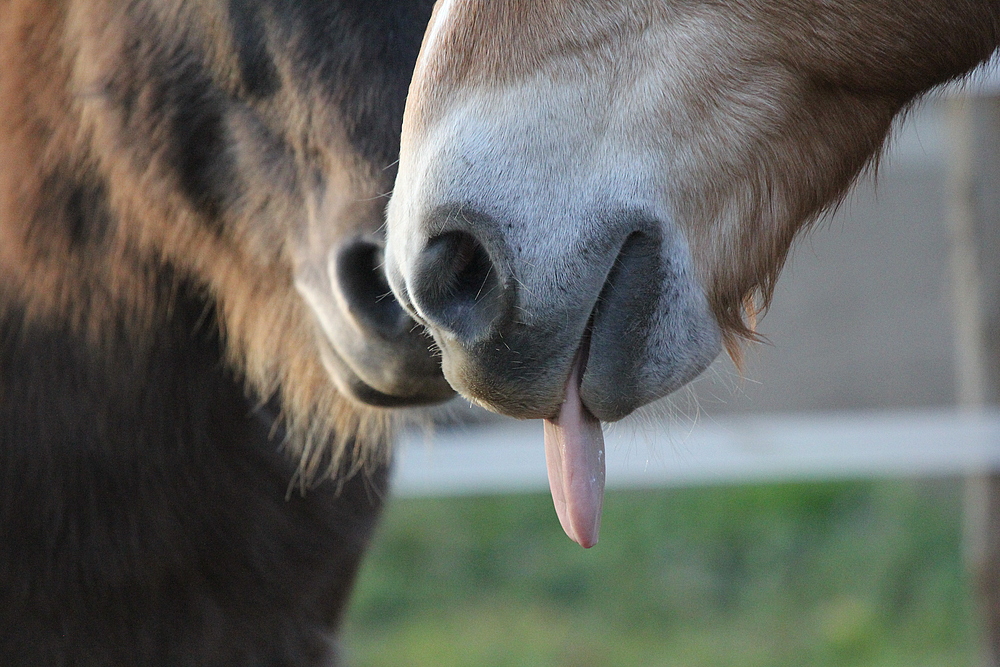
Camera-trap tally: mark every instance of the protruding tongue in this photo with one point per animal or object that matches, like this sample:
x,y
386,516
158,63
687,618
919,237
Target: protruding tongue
x,y
574,455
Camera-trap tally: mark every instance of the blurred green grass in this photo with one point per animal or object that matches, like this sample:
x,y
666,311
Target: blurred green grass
x,y
821,574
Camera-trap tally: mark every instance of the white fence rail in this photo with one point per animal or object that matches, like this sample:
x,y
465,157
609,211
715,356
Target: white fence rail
x,y
509,457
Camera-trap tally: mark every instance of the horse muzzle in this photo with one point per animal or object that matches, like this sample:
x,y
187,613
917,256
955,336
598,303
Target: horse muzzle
x,y
375,353
510,319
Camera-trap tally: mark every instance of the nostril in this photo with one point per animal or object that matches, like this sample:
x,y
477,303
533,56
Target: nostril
x,y
457,286
463,267
361,281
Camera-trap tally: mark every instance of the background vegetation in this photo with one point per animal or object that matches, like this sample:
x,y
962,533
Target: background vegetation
x,y
845,574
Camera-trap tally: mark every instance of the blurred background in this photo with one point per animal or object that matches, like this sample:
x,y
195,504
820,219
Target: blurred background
x,y
817,510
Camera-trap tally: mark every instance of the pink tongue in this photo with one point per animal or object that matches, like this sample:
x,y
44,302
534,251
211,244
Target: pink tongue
x,y
574,455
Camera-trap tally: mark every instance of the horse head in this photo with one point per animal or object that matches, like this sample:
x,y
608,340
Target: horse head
x,y
594,199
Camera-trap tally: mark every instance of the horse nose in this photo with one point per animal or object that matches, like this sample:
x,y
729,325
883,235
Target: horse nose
x,y
374,352
458,287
